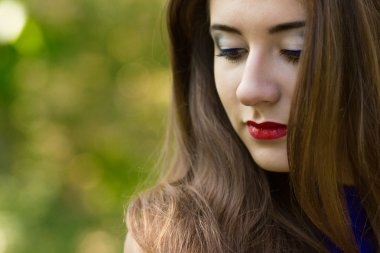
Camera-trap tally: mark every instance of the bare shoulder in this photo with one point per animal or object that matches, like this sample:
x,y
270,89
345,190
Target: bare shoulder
x,y
131,245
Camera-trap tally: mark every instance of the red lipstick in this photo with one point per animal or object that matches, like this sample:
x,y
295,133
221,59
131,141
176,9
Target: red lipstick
x,y
266,130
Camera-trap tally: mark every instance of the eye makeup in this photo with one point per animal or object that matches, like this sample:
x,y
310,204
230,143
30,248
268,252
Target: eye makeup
x,y
233,50
292,56
232,53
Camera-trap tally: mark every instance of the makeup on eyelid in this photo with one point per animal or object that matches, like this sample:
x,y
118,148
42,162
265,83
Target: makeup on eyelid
x,y
236,54
291,52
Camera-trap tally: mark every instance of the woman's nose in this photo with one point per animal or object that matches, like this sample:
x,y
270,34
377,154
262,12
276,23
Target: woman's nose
x,y
258,84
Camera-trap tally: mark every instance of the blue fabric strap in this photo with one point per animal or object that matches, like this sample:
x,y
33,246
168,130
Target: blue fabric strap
x,y
360,225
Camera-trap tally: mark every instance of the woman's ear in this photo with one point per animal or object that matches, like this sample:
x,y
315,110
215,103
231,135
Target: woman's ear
x,y
131,245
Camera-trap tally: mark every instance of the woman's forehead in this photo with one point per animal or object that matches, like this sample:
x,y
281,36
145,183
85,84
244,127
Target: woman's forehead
x,y
240,13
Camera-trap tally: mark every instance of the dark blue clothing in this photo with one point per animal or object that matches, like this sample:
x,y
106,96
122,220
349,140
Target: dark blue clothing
x,y
360,225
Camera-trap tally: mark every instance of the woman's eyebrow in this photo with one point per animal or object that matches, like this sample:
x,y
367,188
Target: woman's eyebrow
x,y
275,29
224,28
286,26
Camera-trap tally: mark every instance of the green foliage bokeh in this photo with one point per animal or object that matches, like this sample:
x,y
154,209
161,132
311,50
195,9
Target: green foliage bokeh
x,y
84,93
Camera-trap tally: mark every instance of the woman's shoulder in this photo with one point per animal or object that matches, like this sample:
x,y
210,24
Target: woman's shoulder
x,y
131,246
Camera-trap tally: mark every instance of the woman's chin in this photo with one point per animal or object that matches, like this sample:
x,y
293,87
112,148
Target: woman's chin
x,y
271,161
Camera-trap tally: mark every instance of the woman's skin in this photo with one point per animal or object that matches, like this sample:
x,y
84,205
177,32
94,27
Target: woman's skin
x,y
131,245
257,46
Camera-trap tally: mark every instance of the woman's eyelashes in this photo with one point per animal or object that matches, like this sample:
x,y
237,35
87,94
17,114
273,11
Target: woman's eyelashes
x,y
236,54
232,54
292,56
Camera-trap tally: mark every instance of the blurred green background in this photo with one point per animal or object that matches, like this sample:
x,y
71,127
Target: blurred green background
x,y
84,90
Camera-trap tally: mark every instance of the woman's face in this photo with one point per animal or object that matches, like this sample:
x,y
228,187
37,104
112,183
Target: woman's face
x,y
257,47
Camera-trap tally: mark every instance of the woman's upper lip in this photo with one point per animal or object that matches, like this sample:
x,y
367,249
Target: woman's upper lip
x,y
267,124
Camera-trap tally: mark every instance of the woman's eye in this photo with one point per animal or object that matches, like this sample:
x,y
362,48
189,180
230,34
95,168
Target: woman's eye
x,y
232,54
292,56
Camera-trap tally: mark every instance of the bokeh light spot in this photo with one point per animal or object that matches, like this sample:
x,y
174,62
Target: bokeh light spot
x,y
12,20
3,241
97,242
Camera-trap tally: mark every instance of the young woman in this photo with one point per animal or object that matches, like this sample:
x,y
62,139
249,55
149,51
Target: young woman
x,y
276,122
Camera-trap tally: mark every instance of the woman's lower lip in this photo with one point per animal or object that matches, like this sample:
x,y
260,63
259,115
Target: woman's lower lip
x,y
266,131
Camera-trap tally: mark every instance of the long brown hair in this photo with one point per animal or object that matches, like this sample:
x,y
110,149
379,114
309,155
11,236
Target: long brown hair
x,y
215,198
336,115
